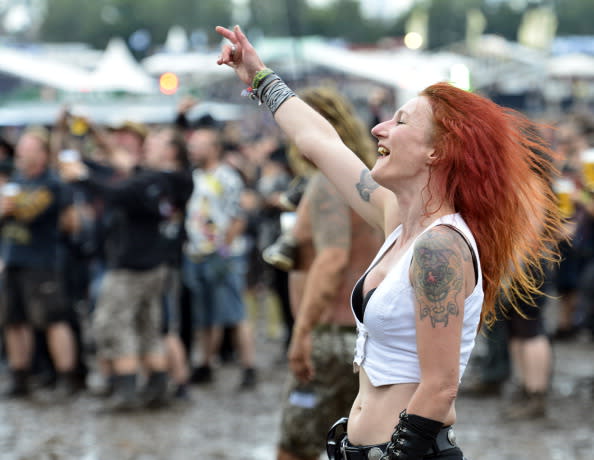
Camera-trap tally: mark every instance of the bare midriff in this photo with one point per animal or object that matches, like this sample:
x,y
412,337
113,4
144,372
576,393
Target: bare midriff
x,y
374,413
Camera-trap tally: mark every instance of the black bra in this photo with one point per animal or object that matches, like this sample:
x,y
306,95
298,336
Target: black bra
x,y
360,302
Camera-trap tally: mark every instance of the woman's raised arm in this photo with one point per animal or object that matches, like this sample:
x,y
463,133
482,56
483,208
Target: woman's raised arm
x,y
312,134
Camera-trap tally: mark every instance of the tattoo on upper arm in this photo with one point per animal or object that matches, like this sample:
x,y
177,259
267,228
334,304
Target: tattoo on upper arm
x,y
437,276
366,185
330,216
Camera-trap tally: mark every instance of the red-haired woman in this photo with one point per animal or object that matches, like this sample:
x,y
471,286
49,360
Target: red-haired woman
x,y
459,193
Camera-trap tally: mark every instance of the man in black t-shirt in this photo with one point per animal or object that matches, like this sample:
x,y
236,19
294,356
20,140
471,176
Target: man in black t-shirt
x,y
35,209
127,320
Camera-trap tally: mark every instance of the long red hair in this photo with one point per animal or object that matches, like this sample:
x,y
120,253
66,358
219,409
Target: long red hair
x,y
495,168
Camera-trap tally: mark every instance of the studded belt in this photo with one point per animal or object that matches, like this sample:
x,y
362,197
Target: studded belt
x,y
446,439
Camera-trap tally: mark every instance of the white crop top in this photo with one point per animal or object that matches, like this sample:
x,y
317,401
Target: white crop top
x,y
386,342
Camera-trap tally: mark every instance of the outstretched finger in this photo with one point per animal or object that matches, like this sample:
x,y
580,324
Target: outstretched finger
x,y
228,34
230,52
240,37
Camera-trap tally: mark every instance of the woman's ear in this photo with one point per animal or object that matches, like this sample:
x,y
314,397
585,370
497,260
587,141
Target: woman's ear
x,y
431,156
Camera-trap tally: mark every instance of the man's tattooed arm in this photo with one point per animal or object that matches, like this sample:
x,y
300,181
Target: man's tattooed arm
x,y
437,274
330,216
366,185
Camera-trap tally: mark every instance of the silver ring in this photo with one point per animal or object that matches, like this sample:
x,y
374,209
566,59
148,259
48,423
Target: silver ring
x,y
233,49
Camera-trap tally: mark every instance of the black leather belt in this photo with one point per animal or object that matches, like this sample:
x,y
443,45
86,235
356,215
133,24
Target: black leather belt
x,y
446,439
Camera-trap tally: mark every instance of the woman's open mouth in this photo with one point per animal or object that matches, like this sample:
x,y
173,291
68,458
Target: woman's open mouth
x,y
382,152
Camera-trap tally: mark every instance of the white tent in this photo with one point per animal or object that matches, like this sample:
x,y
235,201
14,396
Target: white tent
x,y
409,70
162,110
39,69
405,70
118,71
571,65
202,65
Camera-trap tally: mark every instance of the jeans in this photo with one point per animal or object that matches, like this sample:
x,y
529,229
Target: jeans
x,y
216,284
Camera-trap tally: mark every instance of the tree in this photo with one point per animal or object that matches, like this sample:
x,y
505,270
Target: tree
x,y
574,17
96,21
447,21
272,17
502,20
342,19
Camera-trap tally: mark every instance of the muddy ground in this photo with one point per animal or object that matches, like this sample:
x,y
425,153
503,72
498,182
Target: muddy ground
x,y
221,423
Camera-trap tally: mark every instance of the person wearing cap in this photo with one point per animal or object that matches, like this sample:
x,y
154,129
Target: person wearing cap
x,y
127,320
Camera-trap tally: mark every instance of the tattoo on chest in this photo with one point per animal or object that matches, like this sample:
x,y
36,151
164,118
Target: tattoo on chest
x,y
366,185
437,281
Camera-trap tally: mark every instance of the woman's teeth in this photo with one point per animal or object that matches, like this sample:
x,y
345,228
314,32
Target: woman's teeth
x,y
382,151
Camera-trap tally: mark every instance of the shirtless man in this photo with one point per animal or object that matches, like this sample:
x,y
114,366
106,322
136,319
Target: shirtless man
x,y
336,246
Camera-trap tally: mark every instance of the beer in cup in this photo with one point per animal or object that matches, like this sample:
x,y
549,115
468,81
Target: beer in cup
x,y
564,189
69,155
588,168
11,189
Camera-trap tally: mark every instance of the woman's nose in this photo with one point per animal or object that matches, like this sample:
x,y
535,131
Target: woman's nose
x,y
377,130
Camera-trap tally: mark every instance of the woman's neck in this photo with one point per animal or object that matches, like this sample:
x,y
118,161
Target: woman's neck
x,y
418,213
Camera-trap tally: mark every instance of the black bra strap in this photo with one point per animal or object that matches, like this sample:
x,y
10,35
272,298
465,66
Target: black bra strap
x,y
474,261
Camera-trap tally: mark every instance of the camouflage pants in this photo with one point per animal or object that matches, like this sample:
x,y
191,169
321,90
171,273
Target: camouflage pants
x,y
310,410
128,317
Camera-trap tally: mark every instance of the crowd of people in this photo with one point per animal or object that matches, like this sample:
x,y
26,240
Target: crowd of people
x,y
519,358
135,251
127,249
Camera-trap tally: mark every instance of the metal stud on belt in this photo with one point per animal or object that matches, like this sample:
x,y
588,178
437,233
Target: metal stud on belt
x,y
375,453
452,436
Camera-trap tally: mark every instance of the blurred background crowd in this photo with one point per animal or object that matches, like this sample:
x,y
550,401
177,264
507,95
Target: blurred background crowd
x,y
140,189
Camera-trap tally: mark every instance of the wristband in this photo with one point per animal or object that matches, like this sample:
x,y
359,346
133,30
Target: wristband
x,y
260,75
269,89
275,94
254,93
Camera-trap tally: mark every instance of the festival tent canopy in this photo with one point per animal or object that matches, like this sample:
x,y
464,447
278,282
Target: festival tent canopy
x,y
36,68
113,113
118,71
576,65
401,68
405,70
199,64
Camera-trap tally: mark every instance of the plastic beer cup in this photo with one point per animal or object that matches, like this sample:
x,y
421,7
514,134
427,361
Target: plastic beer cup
x,y
564,189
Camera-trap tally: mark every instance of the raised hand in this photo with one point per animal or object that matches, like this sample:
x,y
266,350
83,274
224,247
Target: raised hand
x,y
240,55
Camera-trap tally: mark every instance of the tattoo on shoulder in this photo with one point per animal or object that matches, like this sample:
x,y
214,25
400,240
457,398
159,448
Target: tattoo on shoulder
x,y
366,185
437,276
